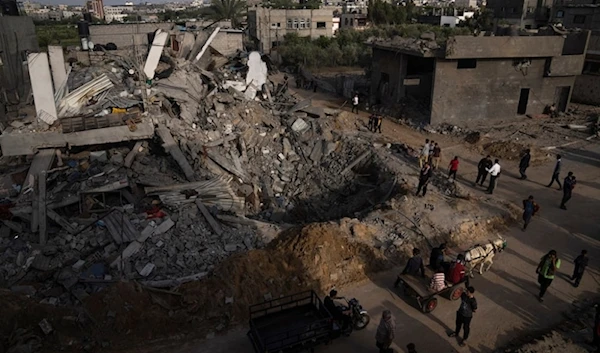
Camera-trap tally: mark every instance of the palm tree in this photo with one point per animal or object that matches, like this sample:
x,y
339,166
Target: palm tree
x,y
232,10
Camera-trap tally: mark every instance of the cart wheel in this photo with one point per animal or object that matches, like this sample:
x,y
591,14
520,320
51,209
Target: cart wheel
x,y
429,305
456,293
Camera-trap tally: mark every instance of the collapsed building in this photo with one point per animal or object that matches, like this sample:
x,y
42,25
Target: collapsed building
x,y
468,78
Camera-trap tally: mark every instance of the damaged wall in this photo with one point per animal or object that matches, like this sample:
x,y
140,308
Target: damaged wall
x,y
492,90
228,41
17,36
388,67
587,85
124,35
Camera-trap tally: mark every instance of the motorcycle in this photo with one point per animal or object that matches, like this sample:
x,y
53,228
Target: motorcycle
x,y
360,317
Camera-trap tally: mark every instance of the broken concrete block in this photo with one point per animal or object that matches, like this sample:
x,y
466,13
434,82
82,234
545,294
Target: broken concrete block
x,y
78,265
300,126
145,272
26,290
99,156
230,247
257,70
268,296
228,300
164,226
287,146
45,326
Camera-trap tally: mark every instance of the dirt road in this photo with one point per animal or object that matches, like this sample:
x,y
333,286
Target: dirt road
x,y
507,294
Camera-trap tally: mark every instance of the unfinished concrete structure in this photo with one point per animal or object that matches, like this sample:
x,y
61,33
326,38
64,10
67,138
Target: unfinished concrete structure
x,y
17,37
528,14
587,85
269,26
583,14
478,78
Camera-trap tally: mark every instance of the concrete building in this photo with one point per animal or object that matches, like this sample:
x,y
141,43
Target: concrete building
x,y
528,14
445,17
357,21
466,4
96,8
117,13
478,78
126,35
587,85
577,14
269,26
17,37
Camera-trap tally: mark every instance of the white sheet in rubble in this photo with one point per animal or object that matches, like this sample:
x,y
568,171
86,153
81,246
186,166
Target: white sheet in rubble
x,y
257,70
160,39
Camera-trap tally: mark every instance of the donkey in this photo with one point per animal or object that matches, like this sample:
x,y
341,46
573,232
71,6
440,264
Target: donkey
x,y
483,254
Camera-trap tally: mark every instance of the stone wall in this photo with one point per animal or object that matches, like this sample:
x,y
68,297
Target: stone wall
x,y
124,35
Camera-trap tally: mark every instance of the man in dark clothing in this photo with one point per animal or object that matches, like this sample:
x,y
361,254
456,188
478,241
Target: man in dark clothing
x,y
411,348
596,329
482,167
570,182
371,125
530,208
414,266
336,311
424,177
377,123
524,163
468,306
436,259
581,263
556,173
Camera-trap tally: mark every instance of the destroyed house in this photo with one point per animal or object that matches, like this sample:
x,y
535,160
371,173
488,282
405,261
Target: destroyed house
x,y
475,78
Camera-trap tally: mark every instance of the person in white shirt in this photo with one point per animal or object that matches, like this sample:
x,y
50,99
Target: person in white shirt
x,y
355,104
494,172
424,156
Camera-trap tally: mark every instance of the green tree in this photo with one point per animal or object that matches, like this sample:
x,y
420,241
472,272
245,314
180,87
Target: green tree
x,y
232,10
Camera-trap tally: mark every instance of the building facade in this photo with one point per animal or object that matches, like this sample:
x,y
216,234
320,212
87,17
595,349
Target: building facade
x,y
269,26
577,14
356,21
96,8
528,14
479,78
117,13
587,85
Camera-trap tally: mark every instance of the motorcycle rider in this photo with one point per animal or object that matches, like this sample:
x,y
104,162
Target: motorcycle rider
x,y
336,311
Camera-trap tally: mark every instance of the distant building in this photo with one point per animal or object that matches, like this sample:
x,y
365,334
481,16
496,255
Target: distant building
x,y
269,26
445,17
117,13
587,85
96,8
335,25
478,78
527,14
357,21
577,13
465,4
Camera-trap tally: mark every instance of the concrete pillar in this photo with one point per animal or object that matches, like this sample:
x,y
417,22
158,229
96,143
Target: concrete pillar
x,y
41,85
57,63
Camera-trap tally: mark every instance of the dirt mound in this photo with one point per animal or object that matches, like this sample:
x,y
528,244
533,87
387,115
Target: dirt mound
x,y
317,256
512,151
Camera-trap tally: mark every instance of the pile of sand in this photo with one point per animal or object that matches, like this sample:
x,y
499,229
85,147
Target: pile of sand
x,y
513,151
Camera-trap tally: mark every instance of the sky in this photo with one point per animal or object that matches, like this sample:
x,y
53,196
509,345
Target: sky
x,y
106,2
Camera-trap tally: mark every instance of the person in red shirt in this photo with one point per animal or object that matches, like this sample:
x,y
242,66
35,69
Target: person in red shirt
x,y
456,274
453,166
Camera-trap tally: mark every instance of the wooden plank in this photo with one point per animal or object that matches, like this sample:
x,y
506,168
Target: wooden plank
x,y
172,147
42,207
131,155
60,221
113,228
213,223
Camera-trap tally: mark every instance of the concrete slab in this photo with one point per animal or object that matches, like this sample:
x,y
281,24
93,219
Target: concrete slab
x,y
41,84
18,144
57,64
160,39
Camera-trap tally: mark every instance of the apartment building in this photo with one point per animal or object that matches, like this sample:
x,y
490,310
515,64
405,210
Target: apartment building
x,y
269,26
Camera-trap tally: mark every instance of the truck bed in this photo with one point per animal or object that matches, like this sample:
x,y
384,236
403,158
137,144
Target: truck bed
x,y
287,324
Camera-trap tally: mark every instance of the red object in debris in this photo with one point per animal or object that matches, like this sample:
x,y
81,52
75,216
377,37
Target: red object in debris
x,y
155,212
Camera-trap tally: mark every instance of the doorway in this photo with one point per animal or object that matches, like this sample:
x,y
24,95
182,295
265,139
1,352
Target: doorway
x,y
523,100
561,97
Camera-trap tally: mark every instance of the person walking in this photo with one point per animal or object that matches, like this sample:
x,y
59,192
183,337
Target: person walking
x,y
468,307
453,168
524,164
384,337
377,123
424,155
494,172
581,263
355,104
482,168
424,177
569,185
556,172
546,270
530,208
437,156
411,348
